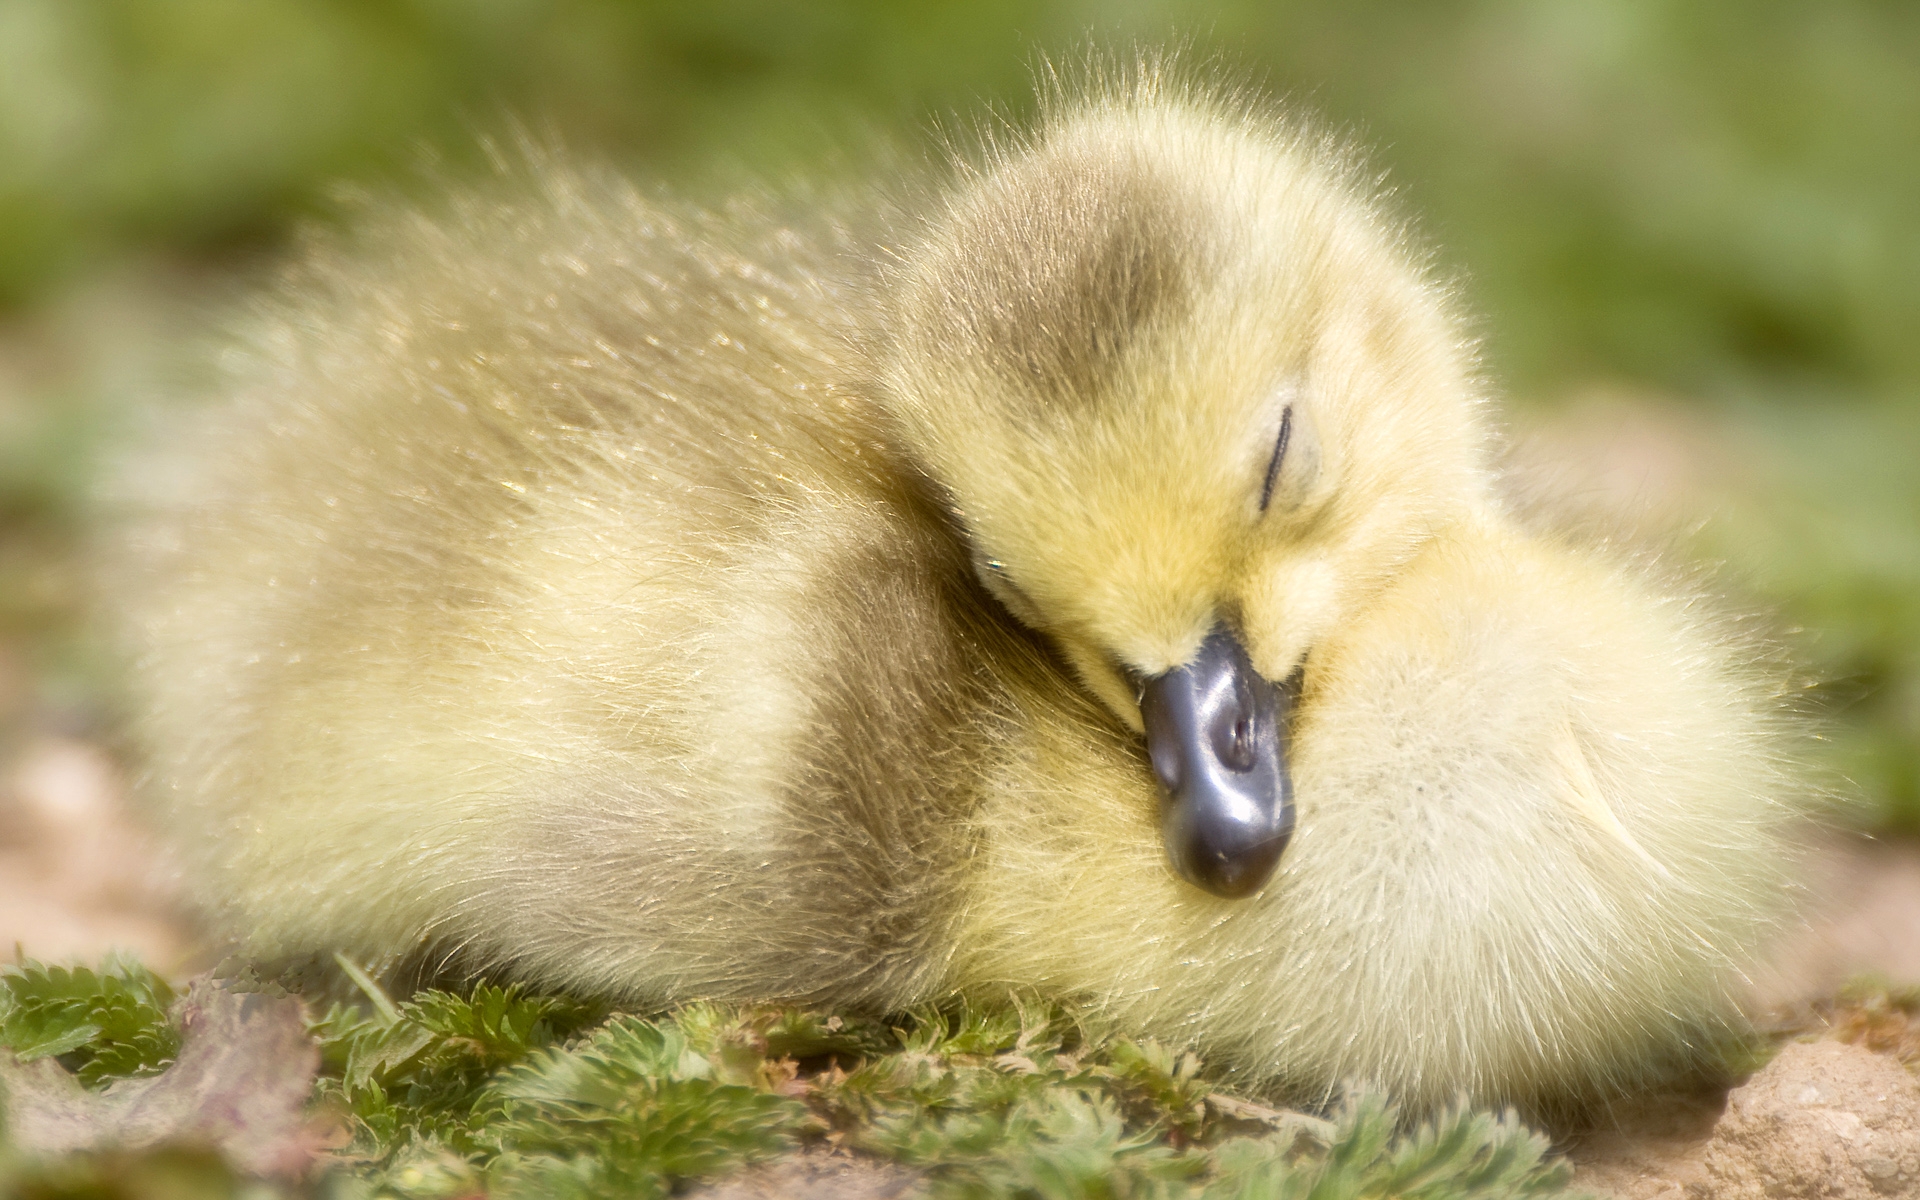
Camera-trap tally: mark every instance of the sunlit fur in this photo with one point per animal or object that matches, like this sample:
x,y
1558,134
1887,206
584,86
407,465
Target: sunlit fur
x,y
590,590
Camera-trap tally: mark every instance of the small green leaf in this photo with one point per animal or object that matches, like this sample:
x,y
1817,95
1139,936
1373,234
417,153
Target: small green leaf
x,y
30,1044
107,1024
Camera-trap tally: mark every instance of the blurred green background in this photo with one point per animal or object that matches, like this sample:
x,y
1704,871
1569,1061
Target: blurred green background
x,y
1692,231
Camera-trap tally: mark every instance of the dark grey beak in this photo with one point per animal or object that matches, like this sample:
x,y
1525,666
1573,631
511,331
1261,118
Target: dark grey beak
x,y
1217,735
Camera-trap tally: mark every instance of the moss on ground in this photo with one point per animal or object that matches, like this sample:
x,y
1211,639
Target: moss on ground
x,y
504,1093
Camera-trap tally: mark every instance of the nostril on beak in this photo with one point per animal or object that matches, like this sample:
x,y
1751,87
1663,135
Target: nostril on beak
x,y
1239,756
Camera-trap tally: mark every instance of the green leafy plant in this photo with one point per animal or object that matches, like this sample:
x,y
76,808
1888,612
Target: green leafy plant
x,y
100,1024
412,1072
630,1111
504,1093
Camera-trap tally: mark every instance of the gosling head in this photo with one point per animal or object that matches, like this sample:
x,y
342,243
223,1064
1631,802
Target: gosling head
x,y
1193,402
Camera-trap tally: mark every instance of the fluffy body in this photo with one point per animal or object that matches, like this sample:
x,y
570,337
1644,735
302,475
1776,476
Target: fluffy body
x,y
606,594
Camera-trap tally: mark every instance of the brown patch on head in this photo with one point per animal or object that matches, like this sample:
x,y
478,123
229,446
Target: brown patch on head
x,y
1064,262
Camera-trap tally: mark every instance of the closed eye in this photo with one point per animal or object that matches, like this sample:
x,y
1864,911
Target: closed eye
x,y
1279,456
992,574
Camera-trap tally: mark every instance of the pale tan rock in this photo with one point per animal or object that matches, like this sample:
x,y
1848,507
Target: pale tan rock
x,y
1823,1119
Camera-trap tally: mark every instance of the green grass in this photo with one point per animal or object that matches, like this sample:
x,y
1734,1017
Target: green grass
x,y
1820,519
507,1094
1682,194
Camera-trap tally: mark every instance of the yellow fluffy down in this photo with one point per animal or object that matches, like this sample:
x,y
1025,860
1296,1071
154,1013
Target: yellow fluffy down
x,y
671,604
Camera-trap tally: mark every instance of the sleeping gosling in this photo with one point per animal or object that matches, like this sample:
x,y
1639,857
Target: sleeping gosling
x,y
1088,580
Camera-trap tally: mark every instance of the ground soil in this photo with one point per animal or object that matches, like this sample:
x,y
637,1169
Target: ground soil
x,y
1824,1118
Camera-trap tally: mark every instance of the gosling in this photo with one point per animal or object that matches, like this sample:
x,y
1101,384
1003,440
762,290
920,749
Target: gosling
x,y
1085,579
